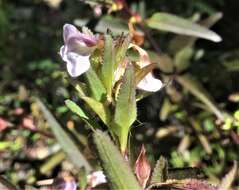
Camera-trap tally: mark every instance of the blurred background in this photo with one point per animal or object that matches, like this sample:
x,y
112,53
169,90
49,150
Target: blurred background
x,y
181,122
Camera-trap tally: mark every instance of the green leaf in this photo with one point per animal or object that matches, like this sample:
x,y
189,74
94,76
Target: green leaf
x,y
66,142
108,67
52,162
172,23
180,42
76,109
125,111
185,184
232,66
185,173
194,87
165,62
229,178
115,167
160,171
166,108
82,179
96,87
102,111
182,58
116,25
7,185
121,49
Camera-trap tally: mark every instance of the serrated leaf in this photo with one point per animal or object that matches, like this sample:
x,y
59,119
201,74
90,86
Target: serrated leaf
x,y
160,172
125,111
172,23
229,178
102,111
115,167
194,87
121,49
95,85
66,142
76,109
108,67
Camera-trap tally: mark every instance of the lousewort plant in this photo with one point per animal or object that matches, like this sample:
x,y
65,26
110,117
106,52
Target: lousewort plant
x,y
111,85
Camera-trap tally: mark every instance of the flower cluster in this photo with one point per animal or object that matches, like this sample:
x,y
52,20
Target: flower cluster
x,y
78,46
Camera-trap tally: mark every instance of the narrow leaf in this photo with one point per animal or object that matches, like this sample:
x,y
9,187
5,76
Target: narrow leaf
x,y
96,87
143,72
66,142
52,162
102,111
193,184
172,23
160,171
125,111
194,87
107,70
121,49
186,184
229,178
185,173
180,42
6,185
115,167
182,58
166,108
76,109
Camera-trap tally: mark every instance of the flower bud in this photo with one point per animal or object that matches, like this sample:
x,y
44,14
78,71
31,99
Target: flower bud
x,y
142,168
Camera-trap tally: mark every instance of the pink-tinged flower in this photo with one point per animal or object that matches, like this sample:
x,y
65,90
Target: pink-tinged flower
x,y
142,168
149,82
77,49
96,178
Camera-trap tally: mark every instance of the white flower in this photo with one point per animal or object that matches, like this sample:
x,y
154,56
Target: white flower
x,y
149,82
77,49
96,178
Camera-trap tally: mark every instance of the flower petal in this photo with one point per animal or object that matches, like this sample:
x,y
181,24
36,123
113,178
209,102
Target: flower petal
x,y
69,30
96,178
75,44
63,53
150,84
77,64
